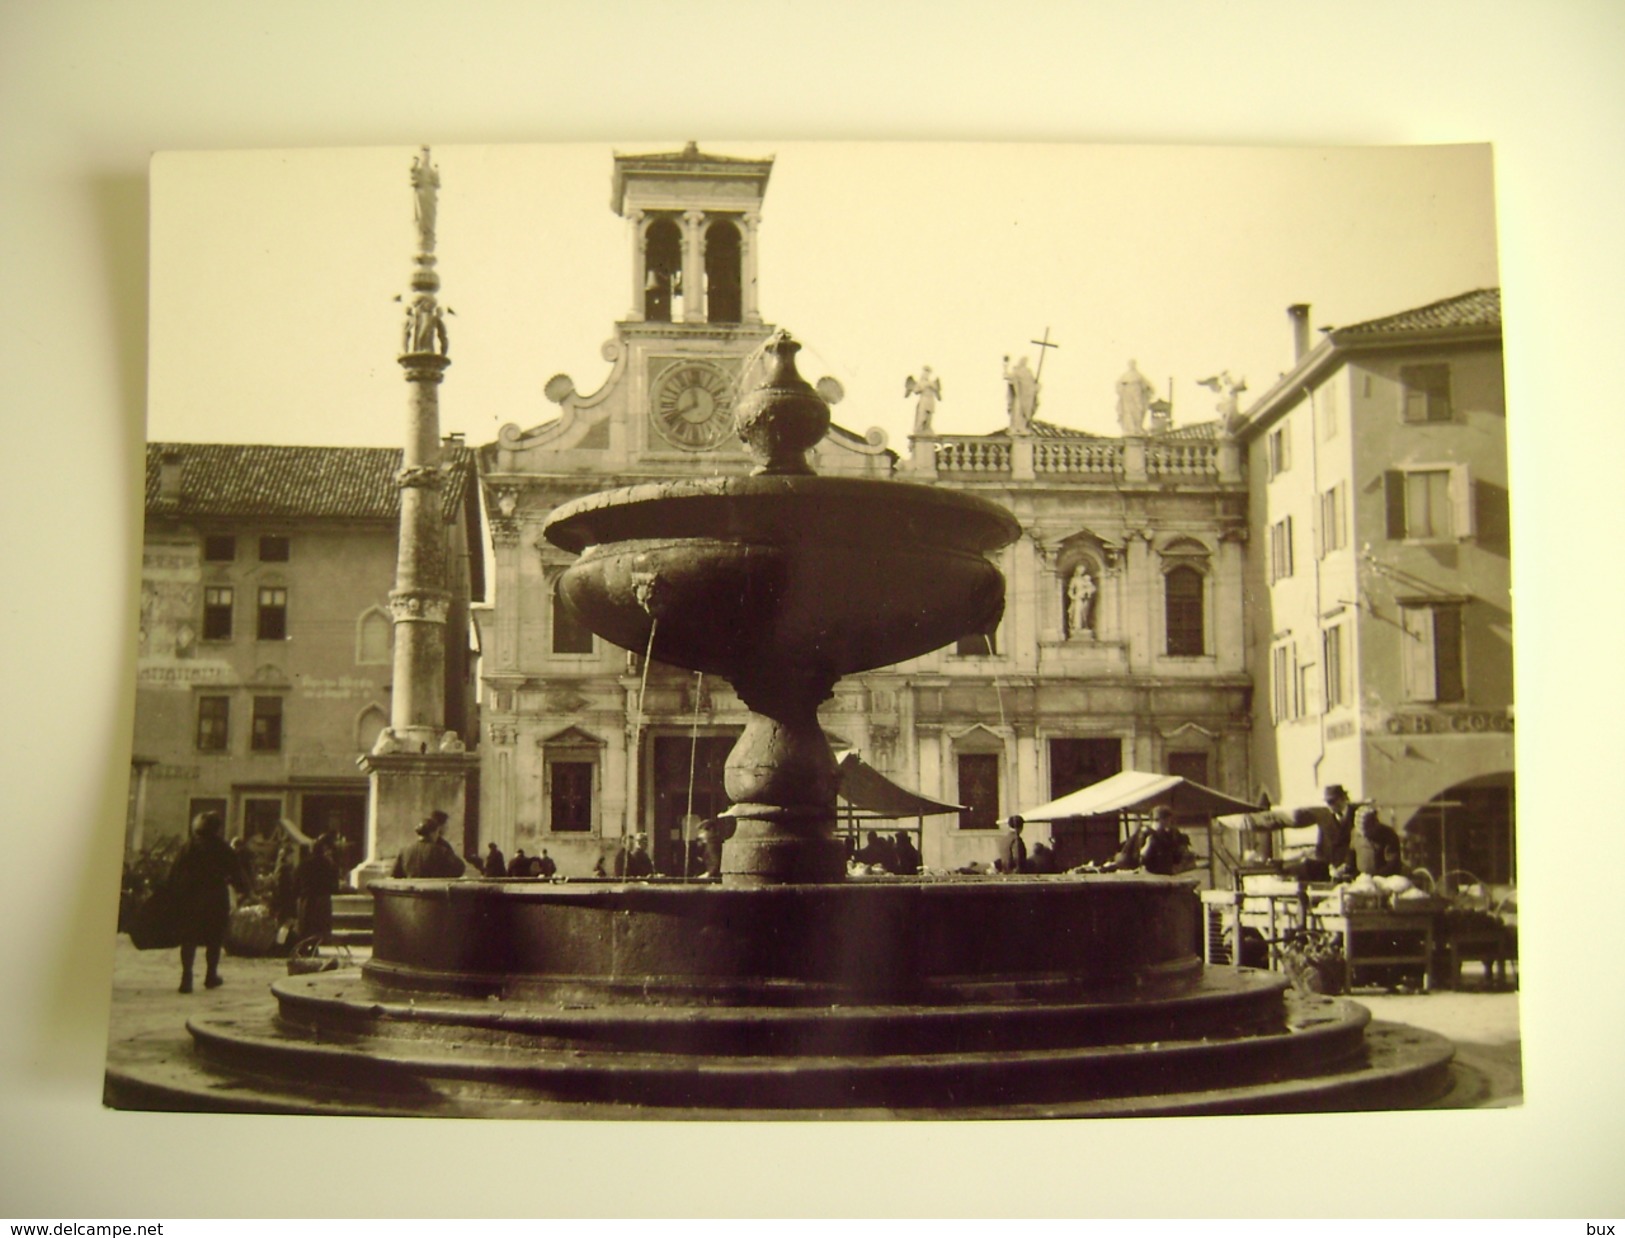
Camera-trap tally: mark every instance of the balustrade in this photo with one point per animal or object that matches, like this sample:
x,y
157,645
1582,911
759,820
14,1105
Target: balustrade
x,y
973,455
1182,459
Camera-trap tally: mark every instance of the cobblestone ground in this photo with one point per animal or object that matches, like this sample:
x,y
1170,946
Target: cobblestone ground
x,y
1482,1023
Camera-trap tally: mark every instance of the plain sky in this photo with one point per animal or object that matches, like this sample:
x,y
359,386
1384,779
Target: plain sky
x,y
273,273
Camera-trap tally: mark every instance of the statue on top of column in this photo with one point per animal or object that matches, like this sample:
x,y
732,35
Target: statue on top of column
x,y
1020,395
929,389
425,186
1133,400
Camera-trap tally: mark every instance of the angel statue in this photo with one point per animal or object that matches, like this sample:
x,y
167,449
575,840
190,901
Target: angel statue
x,y
1229,389
928,387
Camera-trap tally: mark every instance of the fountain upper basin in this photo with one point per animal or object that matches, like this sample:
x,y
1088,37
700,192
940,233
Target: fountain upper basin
x,y
837,574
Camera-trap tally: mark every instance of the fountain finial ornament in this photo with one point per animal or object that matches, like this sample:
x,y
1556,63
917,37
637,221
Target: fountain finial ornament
x,y
784,418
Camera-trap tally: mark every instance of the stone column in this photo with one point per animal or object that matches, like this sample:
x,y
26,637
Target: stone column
x,y
1134,469
693,266
640,265
417,766
752,220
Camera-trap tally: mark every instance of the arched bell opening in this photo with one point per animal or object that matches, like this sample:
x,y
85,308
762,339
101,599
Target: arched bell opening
x,y
663,264
724,280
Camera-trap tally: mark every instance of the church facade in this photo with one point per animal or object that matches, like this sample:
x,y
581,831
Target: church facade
x,y
1122,644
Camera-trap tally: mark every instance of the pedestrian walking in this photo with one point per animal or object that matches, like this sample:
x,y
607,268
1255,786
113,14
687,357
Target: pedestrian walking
x,y
201,880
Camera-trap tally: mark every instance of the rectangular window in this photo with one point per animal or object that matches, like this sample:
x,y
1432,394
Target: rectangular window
x,y
979,790
570,635
266,732
273,621
1304,705
1183,588
1432,651
1434,503
1279,447
213,723
569,795
219,548
1281,549
217,601
1332,525
1336,672
1283,674
1425,392
274,548
260,818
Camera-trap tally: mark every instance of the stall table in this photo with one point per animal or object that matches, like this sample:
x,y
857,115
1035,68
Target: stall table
x,y
1380,938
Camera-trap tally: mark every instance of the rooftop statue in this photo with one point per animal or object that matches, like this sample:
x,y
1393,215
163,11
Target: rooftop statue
x,y
928,387
1133,400
1229,405
1021,395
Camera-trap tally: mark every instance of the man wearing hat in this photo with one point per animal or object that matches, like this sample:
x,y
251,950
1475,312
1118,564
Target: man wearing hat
x,y
1165,850
431,855
1333,823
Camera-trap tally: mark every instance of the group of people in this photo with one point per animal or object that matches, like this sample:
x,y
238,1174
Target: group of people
x,y
1157,847
496,865
1349,839
896,855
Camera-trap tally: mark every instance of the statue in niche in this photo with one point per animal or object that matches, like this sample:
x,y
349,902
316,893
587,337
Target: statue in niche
x,y
1080,602
1229,406
1133,400
928,387
1020,395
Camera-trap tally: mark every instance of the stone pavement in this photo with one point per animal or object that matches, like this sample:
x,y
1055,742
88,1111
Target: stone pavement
x,y
1483,1024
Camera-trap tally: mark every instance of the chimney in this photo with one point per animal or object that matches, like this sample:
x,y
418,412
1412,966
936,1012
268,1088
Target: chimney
x,y
453,438
169,476
1300,330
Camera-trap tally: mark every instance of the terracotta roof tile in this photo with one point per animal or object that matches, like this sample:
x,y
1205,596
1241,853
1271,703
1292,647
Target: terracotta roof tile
x,y
236,479
1479,308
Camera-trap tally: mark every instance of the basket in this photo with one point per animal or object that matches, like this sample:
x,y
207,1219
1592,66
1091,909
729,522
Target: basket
x,y
307,958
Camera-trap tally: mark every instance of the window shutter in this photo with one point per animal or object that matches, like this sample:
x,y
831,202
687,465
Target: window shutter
x,y
1416,654
1449,683
1317,522
1287,528
1393,483
1461,501
1286,445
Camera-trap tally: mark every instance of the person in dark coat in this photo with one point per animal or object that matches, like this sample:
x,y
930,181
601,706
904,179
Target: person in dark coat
x,y
1375,850
876,852
431,855
496,864
638,862
546,866
519,866
1166,850
317,879
201,879
713,833
907,862
1012,851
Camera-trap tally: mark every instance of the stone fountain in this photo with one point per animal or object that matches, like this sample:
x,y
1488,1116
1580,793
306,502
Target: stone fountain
x,y
786,990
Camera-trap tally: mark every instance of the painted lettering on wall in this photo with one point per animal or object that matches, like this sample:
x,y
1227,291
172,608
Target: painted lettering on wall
x,y
1466,722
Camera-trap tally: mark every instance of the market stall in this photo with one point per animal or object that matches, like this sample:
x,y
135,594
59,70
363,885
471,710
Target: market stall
x,y
1090,825
867,796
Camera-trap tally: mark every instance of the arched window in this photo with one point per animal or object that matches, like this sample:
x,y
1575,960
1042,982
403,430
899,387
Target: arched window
x,y
1182,592
368,725
724,295
374,637
663,262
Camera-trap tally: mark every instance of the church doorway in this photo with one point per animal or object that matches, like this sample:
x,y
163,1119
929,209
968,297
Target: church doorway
x,y
671,758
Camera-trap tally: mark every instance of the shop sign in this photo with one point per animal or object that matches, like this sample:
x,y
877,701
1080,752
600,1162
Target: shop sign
x,y
1437,722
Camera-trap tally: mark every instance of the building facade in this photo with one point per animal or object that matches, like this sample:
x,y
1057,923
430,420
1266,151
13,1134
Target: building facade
x,y
1379,596
266,638
1122,643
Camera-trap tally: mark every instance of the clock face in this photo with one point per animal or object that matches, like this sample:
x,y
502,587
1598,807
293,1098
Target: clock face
x,y
693,405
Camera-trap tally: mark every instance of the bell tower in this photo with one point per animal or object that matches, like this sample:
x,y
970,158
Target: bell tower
x,y
694,220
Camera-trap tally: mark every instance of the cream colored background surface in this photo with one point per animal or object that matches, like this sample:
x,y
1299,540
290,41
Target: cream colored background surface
x,y
89,91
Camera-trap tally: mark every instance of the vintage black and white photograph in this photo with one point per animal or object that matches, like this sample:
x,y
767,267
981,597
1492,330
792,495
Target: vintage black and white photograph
x,y
788,631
